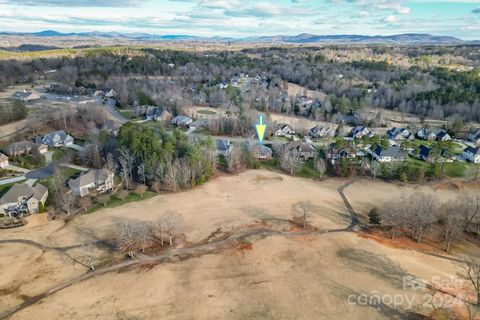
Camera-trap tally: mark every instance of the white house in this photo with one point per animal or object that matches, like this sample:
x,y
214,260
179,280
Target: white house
x,y
23,199
472,154
284,130
359,132
96,181
56,139
3,161
390,154
474,137
182,121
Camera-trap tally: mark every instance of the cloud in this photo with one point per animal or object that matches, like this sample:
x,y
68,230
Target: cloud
x,y
389,19
75,3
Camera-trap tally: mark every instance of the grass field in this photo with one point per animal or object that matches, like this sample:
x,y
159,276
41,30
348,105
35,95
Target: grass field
x,y
206,112
115,201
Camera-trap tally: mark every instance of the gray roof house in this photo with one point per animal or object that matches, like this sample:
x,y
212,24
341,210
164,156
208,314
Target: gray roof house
x,y
26,96
224,147
94,181
301,151
156,113
359,132
319,132
474,137
259,151
23,199
399,134
182,121
390,154
472,154
56,139
284,129
24,147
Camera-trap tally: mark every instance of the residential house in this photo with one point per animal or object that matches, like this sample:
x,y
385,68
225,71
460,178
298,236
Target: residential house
x,y
472,154
283,130
25,148
259,151
399,134
224,147
334,153
182,121
156,113
110,93
352,119
390,154
442,135
439,135
3,161
93,181
359,132
319,132
474,137
26,96
56,139
23,199
301,151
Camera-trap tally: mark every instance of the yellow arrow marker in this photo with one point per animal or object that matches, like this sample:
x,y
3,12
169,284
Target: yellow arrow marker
x,y
261,128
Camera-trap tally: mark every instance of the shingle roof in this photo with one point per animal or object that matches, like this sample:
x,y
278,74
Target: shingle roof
x,y
475,151
96,177
23,190
393,152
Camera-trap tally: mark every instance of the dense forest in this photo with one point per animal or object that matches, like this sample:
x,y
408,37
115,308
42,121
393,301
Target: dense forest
x,y
435,82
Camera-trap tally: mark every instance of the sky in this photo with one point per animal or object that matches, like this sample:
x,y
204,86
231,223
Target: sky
x,y
245,18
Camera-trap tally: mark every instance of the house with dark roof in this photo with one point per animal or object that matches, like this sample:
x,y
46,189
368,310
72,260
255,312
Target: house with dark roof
x,y
319,132
21,148
438,135
224,147
23,199
442,135
26,96
156,113
472,154
3,161
259,151
300,150
93,181
56,139
283,130
181,121
359,132
474,137
399,134
390,154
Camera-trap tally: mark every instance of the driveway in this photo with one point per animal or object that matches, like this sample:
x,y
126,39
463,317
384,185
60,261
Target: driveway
x,y
11,180
48,157
41,173
76,147
17,169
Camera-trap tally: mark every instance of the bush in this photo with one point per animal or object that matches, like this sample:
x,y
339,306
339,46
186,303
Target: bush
x,y
374,217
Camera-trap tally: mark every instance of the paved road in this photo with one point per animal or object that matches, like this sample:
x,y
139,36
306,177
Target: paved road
x,y
41,173
73,166
17,169
110,106
11,180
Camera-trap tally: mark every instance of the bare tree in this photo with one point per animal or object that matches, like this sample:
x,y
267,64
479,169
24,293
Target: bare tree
x,y
469,206
172,223
64,198
320,166
102,199
302,211
123,194
141,189
126,163
156,186
471,267
84,203
110,163
88,247
128,239
145,232
233,158
141,172
453,224
394,215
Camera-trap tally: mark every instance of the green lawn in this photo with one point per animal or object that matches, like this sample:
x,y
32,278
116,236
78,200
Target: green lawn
x,y
207,112
307,170
116,202
28,161
58,154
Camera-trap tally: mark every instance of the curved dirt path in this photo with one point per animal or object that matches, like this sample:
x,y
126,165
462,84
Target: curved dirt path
x,y
177,253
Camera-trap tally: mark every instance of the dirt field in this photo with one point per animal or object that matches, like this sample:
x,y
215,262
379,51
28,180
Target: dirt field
x,y
323,275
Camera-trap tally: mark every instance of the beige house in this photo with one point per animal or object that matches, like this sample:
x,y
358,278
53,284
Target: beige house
x,y
23,199
94,181
3,161
25,147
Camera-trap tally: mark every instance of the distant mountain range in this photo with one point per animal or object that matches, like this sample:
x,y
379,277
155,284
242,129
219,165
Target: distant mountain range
x,y
304,38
